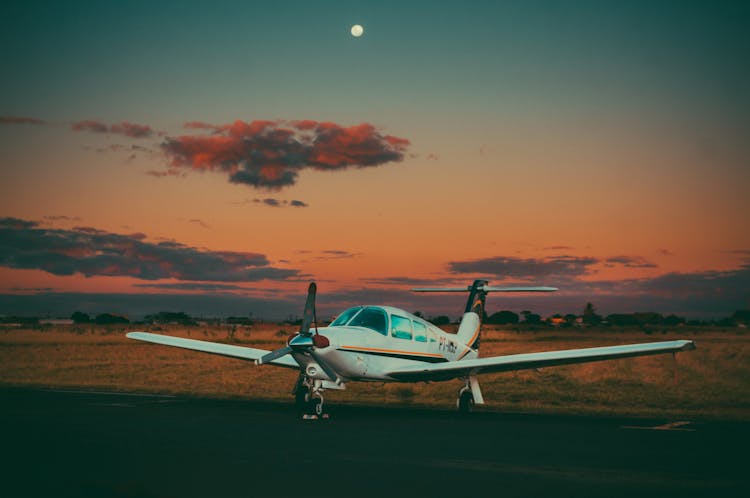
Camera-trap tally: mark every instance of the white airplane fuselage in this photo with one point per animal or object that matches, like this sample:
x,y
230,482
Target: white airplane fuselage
x,y
359,353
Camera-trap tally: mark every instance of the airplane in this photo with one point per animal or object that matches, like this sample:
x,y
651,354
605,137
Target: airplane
x,y
376,343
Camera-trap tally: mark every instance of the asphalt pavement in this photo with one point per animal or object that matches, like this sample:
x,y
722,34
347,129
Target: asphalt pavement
x,y
68,443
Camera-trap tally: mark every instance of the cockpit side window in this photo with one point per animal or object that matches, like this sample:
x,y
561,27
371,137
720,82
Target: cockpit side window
x,y
345,316
400,327
420,332
431,336
371,318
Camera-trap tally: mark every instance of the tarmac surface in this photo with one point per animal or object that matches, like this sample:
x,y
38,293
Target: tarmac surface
x,y
82,443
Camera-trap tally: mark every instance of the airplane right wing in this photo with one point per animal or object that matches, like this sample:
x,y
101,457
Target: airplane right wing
x,y
463,368
217,348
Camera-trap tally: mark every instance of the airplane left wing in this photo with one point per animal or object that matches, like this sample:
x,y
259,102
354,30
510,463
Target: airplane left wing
x,y
217,348
463,368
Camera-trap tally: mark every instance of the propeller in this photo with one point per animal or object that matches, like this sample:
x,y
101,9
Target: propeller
x,y
304,341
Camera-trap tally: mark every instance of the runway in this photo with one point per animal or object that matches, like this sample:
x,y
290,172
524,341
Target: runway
x,y
79,443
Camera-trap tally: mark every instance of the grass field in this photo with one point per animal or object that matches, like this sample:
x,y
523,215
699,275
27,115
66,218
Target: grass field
x,y
712,382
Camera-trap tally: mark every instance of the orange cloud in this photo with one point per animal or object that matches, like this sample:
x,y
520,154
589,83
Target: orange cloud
x,y
269,154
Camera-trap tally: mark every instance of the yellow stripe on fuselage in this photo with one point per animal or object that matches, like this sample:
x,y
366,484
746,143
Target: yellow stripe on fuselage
x,y
379,350
473,337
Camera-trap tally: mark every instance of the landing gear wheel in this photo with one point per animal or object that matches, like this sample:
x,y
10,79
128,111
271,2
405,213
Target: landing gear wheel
x,y
465,401
301,393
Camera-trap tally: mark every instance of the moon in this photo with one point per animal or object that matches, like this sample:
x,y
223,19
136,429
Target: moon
x,y
357,30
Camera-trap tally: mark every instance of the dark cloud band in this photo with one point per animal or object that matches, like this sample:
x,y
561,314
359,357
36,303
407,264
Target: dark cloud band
x,y
92,252
131,130
526,268
21,120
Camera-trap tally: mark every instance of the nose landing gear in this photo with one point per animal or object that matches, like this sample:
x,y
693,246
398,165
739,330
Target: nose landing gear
x,y
308,397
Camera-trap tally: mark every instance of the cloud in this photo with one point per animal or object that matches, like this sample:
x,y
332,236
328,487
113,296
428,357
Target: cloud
x,y
200,223
665,252
200,125
131,130
35,290
192,286
337,254
139,305
629,262
436,282
126,128
61,217
270,154
16,223
162,174
21,120
704,293
93,252
269,202
89,125
728,286
272,202
698,294
326,255
527,268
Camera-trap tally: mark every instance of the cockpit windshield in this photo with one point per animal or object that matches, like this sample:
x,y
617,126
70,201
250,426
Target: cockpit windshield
x,y
345,316
372,318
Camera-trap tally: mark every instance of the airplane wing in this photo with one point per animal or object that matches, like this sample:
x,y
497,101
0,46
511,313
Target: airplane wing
x,y
229,350
453,369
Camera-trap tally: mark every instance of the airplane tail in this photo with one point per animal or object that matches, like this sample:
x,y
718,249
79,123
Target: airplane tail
x,y
470,328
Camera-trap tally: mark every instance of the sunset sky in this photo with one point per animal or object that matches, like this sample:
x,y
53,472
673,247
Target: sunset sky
x,y
214,157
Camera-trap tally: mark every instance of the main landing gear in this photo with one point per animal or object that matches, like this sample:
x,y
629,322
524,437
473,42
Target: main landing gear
x,y
308,397
469,395
465,401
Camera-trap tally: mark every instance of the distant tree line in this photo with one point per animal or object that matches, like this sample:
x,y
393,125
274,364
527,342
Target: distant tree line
x,y
588,317
100,319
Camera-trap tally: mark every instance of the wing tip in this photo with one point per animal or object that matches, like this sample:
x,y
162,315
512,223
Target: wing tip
x,y
688,346
136,334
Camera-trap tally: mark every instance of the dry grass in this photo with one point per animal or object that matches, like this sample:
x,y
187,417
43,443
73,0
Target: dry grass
x,y
712,381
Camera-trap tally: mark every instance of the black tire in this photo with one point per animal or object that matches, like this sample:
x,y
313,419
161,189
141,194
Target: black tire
x,y
465,402
301,398
301,393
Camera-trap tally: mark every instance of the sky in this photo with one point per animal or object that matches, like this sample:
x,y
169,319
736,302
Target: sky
x,y
215,157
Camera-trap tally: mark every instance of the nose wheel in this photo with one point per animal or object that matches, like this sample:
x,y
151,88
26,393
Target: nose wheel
x,y
308,397
301,392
